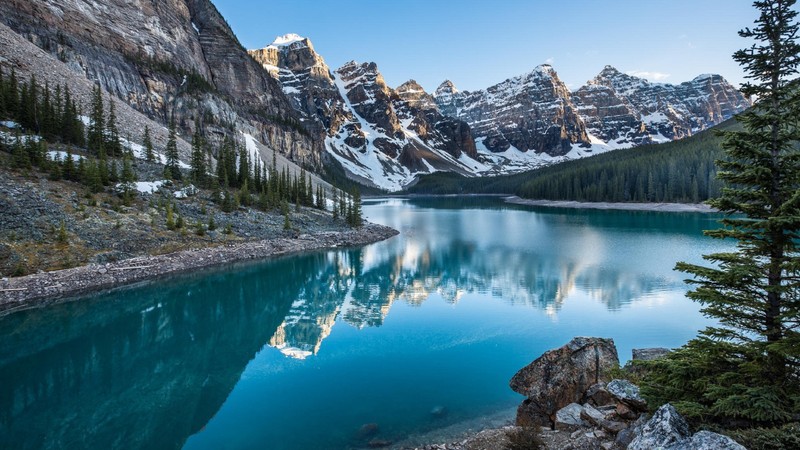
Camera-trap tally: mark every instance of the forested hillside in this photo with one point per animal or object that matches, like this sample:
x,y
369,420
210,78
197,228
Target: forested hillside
x,y
680,171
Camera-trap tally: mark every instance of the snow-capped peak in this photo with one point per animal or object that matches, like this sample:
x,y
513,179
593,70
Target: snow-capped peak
x,y
287,39
704,76
447,87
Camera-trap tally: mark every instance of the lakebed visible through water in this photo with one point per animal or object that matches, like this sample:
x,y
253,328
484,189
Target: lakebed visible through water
x,y
391,342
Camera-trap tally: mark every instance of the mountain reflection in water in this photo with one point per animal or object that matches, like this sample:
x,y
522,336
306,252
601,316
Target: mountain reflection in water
x,y
149,366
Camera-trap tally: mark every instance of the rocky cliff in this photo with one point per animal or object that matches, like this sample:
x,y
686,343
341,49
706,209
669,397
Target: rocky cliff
x,y
627,110
529,112
180,59
382,136
176,59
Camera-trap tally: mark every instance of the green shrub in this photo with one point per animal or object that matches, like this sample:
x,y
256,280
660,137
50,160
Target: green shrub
x,y
787,436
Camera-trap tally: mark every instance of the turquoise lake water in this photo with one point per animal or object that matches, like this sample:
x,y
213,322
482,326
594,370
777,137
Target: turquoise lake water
x,y
418,334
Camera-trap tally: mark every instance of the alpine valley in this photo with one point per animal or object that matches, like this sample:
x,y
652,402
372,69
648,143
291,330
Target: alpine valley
x,y
181,60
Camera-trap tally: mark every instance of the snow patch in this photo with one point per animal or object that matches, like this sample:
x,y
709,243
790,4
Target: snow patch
x,y
62,156
286,39
149,187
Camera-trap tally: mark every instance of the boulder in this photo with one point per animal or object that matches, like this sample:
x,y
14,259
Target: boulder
x,y
597,418
562,376
627,393
597,395
649,354
624,412
706,440
569,417
666,429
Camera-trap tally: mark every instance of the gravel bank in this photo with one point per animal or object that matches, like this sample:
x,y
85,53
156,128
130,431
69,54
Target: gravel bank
x,y
52,287
664,207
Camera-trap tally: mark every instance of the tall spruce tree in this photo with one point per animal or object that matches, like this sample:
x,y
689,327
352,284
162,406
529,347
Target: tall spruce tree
x,y
747,368
113,145
147,141
172,170
95,135
198,162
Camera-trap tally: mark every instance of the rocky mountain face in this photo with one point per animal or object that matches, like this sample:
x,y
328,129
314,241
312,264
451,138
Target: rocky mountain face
x,y
180,59
530,112
536,112
382,136
176,59
626,110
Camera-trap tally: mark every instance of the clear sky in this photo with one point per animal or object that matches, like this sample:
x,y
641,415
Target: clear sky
x,y
480,43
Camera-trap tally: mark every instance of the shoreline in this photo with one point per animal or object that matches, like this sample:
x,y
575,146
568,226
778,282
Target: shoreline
x,y
657,207
42,289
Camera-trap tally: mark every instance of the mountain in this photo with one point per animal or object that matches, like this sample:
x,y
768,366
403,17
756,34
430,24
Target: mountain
x,y
180,60
383,137
626,110
530,112
169,60
681,171
536,112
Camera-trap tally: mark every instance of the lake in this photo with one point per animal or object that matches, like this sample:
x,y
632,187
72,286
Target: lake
x,y
406,340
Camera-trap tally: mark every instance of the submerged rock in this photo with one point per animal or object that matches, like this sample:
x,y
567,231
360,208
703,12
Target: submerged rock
x,y
368,430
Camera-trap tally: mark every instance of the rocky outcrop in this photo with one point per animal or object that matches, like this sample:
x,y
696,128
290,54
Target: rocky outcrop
x,y
380,135
175,59
626,110
562,376
668,430
532,112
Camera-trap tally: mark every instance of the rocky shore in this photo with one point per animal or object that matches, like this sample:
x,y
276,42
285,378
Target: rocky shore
x,y
663,207
51,287
572,402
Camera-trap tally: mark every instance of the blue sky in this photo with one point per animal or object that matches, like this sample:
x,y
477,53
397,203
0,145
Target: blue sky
x,y
480,43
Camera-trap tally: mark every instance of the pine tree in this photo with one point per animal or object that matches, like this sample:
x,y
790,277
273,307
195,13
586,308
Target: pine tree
x,y
95,135
747,368
68,171
20,158
12,94
335,200
47,112
3,109
198,162
113,144
92,177
287,225
147,141
172,170
358,214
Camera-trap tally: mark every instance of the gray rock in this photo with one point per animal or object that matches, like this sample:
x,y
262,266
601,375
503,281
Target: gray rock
x,y
624,437
649,354
562,376
628,393
597,395
596,417
569,417
666,429
706,440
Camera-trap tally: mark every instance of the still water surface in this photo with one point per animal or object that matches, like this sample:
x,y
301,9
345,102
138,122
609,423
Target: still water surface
x,y
418,334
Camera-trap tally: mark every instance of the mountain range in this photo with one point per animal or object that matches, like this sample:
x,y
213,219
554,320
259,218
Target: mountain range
x,y
181,60
388,136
